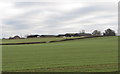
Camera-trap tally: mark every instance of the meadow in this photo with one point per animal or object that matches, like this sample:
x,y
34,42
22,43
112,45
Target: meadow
x,y
98,54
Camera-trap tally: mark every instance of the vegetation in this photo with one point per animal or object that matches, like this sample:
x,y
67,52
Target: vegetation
x,y
35,39
85,55
96,32
109,32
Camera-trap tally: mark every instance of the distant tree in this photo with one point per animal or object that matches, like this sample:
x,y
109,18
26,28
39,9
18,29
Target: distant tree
x,y
96,33
109,32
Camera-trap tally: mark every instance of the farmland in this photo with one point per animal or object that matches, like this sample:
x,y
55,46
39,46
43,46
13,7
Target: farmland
x,y
84,55
35,39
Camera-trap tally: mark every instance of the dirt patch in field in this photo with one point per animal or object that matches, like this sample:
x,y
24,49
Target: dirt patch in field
x,y
84,68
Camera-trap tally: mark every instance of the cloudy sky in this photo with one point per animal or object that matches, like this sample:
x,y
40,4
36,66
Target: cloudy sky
x,y
23,18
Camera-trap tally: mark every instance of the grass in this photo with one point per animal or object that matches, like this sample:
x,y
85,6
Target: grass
x,y
34,39
85,55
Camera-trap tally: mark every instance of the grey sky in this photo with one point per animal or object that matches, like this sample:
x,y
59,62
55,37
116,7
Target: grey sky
x,y
22,18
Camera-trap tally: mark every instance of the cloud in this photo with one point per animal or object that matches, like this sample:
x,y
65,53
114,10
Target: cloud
x,y
24,18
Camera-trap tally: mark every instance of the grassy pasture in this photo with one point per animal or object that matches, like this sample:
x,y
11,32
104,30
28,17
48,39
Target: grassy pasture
x,y
84,55
34,39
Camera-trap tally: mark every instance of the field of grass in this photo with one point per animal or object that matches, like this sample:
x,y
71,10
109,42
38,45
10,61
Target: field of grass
x,y
84,55
34,39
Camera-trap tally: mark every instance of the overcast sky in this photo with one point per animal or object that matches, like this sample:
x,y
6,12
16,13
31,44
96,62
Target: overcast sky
x,y
23,18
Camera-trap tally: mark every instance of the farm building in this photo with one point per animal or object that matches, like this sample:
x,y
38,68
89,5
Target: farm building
x,y
33,36
85,34
48,36
76,34
15,37
71,34
61,35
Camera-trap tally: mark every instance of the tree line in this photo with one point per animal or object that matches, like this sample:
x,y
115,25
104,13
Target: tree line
x,y
107,32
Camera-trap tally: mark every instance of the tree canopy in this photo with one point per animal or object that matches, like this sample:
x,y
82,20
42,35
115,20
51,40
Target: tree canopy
x,y
109,32
96,32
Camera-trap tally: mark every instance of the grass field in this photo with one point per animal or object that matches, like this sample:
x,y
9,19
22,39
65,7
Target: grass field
x,y
84,55
34,39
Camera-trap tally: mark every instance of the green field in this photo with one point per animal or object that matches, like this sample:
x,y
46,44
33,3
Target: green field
x,y
84,55
35,39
